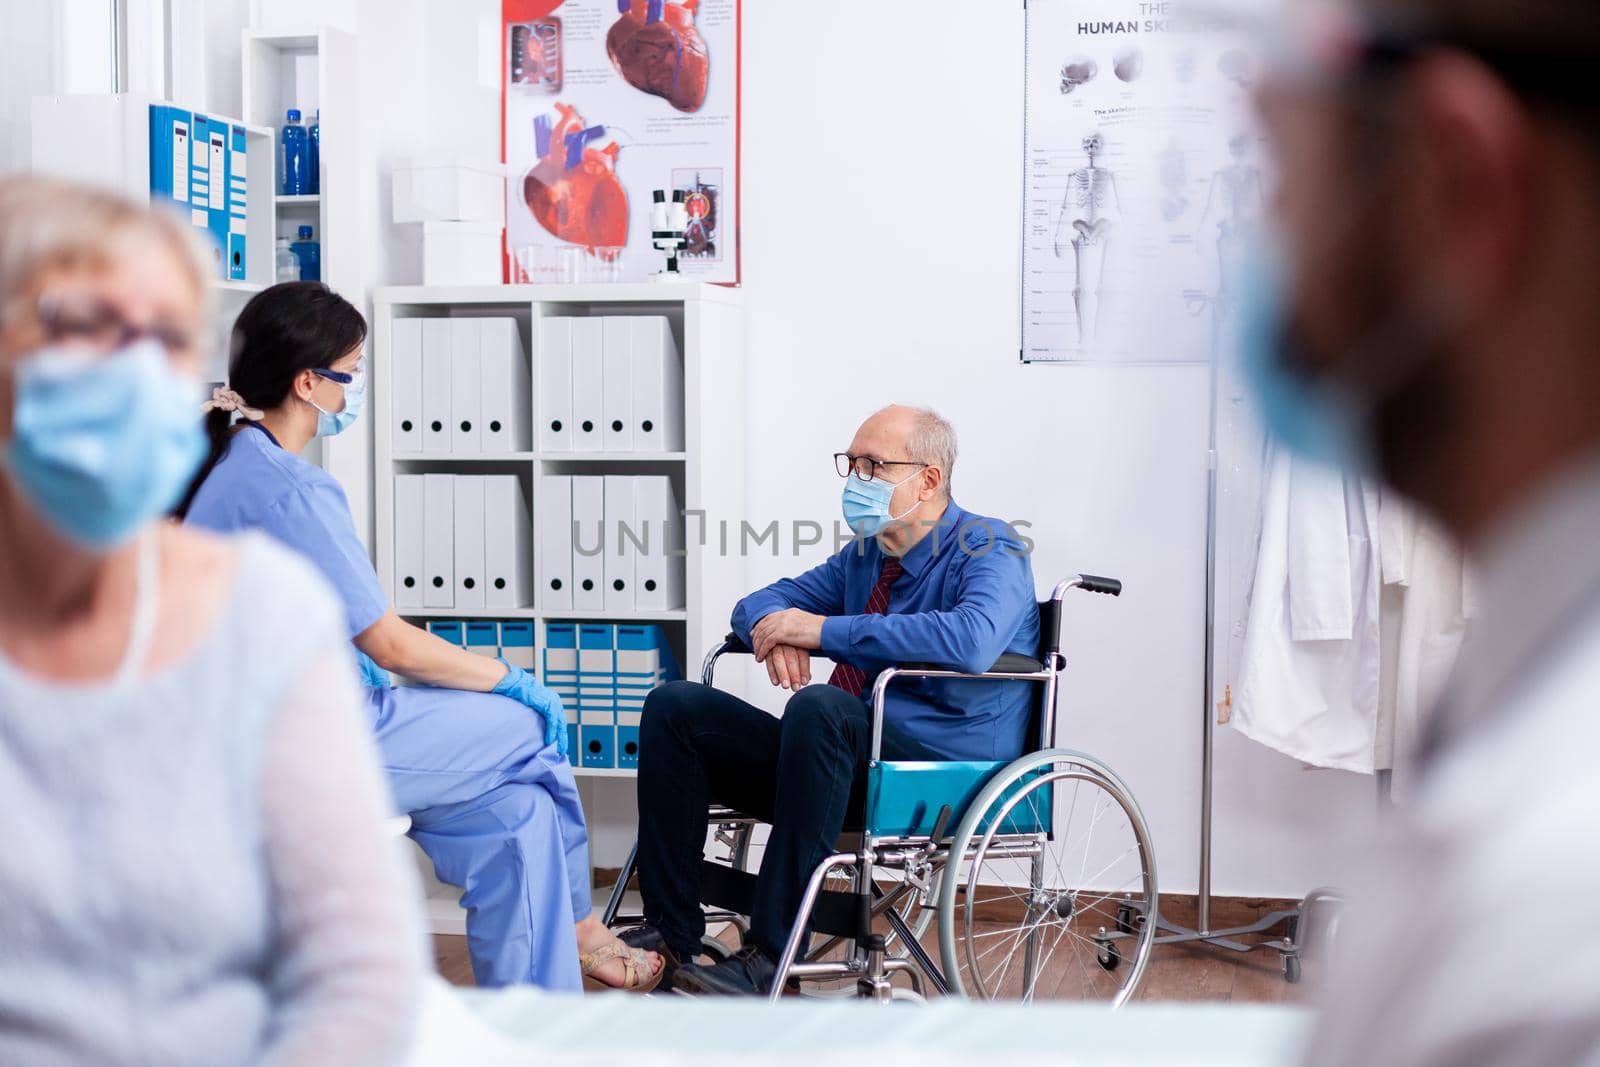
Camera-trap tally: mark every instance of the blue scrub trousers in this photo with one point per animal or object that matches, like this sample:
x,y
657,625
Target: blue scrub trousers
x,y
497,811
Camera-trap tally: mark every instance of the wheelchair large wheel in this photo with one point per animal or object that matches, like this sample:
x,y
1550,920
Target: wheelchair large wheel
x,y
1045,859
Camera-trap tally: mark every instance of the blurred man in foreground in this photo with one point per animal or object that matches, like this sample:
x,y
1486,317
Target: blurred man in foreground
x,y
1438,314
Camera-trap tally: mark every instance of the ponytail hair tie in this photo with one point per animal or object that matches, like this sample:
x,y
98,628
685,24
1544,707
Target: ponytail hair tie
x,y
225,399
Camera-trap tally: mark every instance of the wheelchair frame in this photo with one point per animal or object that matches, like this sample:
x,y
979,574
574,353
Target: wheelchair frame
x,y
921,858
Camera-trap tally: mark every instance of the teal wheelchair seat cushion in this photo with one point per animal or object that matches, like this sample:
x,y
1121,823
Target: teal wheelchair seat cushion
x,y
904,797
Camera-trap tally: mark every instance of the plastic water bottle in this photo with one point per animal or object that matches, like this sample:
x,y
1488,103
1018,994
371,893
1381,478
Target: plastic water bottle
x,y
314,157
292,156
309,253
287,263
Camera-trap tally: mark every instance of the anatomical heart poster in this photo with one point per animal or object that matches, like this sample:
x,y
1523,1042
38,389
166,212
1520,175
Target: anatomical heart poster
x,y
1142,179
606,102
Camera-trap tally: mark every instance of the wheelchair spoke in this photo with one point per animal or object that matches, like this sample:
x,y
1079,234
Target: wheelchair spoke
x,y
1042,914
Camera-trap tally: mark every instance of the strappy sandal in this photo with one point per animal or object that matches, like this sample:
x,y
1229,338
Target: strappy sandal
x,y
636,977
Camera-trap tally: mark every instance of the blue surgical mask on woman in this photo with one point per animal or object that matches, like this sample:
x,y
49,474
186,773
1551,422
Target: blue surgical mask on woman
x,y
330,423
866,504
100,445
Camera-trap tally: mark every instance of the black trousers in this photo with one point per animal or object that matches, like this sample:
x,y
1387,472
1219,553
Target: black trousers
x,y
804,773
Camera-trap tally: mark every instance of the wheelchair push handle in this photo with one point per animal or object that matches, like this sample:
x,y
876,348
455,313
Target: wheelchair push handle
x,y
1096,584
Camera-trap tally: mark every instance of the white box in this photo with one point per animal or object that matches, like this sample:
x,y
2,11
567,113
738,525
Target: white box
x,y
505,405
616,385
438,372
508,543
467,507
438,541
588,397
588,545
656,369
621,545
461,253
408,512
466,388
446,189
555,541
555,386
407,389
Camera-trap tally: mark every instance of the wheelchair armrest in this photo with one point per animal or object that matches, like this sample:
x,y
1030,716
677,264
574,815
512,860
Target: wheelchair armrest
x,y
1010,663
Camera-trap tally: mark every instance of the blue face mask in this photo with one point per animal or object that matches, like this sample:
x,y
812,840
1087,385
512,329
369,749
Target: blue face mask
x,y
1313,418
330,423
866,504
102,445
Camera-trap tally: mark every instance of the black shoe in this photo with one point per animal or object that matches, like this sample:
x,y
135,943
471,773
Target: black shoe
x,y
746,973
649,939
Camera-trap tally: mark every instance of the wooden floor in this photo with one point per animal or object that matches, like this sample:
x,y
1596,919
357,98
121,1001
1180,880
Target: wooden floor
x,y
1175,972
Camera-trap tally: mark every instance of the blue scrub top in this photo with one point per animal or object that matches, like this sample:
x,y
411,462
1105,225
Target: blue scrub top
x,y
257,485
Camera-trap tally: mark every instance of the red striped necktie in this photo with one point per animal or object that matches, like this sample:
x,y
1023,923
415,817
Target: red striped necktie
x,y
853,679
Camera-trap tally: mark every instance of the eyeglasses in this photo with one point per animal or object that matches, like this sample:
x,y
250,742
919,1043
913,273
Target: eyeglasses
x,y
82,319
356,377
865,467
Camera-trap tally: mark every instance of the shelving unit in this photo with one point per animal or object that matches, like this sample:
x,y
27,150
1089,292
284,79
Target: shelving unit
x,y
707,324
708,473
316,70
111,148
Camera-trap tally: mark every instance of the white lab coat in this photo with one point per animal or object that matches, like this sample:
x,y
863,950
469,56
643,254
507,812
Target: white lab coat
x,y
1475,937
1309,668
1423,612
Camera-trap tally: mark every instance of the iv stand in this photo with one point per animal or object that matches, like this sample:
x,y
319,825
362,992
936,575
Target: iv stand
x,y
1289,945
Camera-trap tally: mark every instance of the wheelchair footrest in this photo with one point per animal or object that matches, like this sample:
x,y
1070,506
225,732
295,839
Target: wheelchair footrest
x,y
836,914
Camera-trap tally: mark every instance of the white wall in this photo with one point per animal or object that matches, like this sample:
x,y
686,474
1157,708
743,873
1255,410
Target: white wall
x,y
881,214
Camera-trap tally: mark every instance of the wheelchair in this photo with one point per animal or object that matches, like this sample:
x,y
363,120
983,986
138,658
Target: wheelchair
x,y
1037,873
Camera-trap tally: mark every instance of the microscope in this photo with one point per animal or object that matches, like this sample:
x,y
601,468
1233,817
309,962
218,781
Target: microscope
x,y
668,221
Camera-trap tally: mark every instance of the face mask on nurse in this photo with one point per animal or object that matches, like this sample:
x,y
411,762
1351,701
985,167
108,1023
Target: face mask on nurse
x,y
330,423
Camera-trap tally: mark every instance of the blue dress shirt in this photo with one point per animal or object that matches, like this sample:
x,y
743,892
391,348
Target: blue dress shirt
x,y
965,598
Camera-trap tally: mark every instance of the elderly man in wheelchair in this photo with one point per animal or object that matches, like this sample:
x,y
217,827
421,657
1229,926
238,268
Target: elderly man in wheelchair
x,y
1047,879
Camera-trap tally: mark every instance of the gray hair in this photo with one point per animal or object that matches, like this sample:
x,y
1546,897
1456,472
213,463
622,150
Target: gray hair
x,y
933,441
47,224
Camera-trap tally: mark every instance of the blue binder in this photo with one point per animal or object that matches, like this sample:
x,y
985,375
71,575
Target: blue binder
x,y
560,673
169,156
448,630
238,203
597,694
644,661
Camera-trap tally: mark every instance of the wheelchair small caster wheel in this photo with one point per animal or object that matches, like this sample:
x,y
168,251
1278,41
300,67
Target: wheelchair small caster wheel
x,y
1107,955
1291,969
1126,919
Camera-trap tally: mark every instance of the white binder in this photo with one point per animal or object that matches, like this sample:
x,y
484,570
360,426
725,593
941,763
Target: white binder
x,y
555,386
588,533
555,542
408,571
616,384
508,543
588,400
657,371
466,388
437,374
407,387
469,540
438,541
658,571
503,420
622,530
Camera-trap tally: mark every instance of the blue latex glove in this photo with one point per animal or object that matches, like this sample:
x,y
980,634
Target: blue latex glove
x,y
371,674
523,687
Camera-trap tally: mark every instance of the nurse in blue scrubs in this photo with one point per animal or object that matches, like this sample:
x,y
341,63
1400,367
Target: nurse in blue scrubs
x,y
476,753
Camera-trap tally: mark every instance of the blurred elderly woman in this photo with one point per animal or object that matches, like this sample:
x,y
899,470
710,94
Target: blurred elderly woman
x,y
194,869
